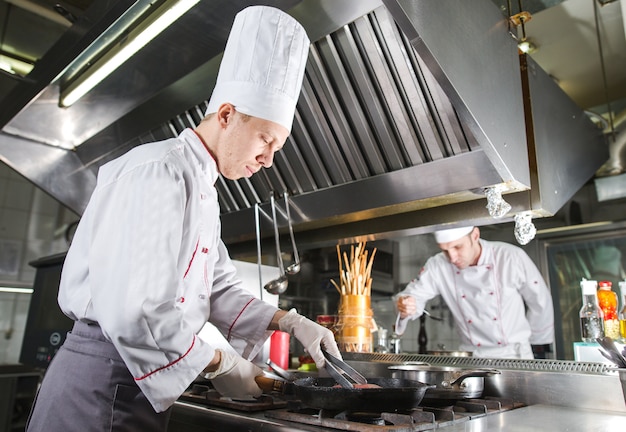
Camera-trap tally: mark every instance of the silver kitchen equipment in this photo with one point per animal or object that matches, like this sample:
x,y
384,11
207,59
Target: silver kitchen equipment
x,y
428,314
450,383
341,372
278,285
295,267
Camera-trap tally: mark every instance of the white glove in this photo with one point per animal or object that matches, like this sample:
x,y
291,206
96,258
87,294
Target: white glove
x,y
312,335
234,377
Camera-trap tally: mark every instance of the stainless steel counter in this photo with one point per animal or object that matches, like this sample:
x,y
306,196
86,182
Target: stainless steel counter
x,y
544,418
582,385
559,396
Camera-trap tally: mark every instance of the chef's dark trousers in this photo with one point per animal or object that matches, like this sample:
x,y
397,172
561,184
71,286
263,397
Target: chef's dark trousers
x,y
88,388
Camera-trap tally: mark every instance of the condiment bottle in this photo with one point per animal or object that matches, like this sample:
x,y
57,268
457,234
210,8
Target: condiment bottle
x,y
591,316
622,313
607,300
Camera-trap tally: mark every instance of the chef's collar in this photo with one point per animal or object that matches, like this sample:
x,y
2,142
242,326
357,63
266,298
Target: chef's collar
x,y
485,257
200,151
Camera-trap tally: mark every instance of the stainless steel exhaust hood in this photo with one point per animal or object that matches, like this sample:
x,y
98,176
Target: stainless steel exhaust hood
x,y
409,110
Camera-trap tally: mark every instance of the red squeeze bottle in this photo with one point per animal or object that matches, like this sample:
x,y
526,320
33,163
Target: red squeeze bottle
x,y
279,349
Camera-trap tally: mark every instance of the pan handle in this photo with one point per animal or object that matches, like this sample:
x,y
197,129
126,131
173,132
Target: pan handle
x,y
269,385
472,374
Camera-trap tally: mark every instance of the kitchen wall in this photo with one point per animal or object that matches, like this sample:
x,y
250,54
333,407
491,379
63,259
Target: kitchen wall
x,y
32,225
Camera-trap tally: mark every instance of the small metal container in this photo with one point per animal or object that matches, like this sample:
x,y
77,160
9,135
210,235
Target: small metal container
x,y
450,383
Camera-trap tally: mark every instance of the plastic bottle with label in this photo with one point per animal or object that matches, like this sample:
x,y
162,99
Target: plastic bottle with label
x,y
622,313
607,300
591,316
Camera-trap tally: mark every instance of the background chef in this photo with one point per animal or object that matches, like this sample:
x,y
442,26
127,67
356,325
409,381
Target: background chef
x,y
147,268
496,294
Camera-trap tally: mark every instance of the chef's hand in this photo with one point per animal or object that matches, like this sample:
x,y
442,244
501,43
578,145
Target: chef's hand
x,y
234,376
312,335
406,306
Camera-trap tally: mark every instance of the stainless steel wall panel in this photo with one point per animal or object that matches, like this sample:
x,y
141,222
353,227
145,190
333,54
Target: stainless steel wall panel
x,y
385,105
468,48
311,153
357,100
381,204
560,135
339,93
394,99
405,122
58,172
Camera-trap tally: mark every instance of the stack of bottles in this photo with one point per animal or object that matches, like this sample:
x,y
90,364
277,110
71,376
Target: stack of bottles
x,y
600,314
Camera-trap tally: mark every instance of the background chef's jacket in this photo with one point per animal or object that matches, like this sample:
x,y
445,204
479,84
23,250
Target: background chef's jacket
x,y
148,265
487,300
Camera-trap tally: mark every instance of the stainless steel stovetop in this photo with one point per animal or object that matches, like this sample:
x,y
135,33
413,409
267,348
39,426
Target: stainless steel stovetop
x,y
292,412
529,394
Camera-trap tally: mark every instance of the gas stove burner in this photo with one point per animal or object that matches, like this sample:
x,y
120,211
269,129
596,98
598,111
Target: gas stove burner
x,y
362,417
422,418
205,395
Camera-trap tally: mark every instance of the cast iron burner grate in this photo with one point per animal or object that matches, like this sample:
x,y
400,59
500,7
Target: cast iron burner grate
x,y
422,418
206,395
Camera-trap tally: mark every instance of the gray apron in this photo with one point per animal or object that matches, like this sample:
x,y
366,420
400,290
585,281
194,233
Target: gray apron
x,y
87,387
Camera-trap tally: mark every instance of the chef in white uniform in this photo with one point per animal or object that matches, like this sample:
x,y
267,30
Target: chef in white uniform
x,y
147,268
497,295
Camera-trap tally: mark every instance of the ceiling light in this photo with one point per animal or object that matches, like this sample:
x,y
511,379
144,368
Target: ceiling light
x,y
16,290
116,56
15,65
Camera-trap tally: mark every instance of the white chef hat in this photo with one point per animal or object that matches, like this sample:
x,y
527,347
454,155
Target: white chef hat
x,y
448,235
263,65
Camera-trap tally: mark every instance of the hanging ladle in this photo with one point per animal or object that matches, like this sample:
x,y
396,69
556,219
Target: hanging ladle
x,y
295,267
257,223
279,285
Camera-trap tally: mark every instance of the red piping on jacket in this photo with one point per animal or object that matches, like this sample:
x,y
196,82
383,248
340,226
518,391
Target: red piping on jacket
x,y
193,255
233,324
193,342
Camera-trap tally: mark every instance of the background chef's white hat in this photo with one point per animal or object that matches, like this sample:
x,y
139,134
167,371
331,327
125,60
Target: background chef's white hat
x,y
263,65
446,236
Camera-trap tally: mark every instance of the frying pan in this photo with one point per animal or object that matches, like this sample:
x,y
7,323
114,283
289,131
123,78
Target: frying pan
x,y
324,393
449,383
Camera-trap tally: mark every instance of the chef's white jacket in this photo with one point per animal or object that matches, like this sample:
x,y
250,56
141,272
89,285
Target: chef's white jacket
x,y
148,265
499,305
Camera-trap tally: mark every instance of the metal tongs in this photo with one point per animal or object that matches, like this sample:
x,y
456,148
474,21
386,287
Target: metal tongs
x,y
611,352
342,372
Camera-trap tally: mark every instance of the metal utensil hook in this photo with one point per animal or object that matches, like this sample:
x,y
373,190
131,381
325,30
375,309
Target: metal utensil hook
x,y
278,285
295,267
257,224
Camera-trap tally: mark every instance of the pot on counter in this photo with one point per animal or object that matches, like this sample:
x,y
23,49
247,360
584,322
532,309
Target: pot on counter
x,y
450,383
